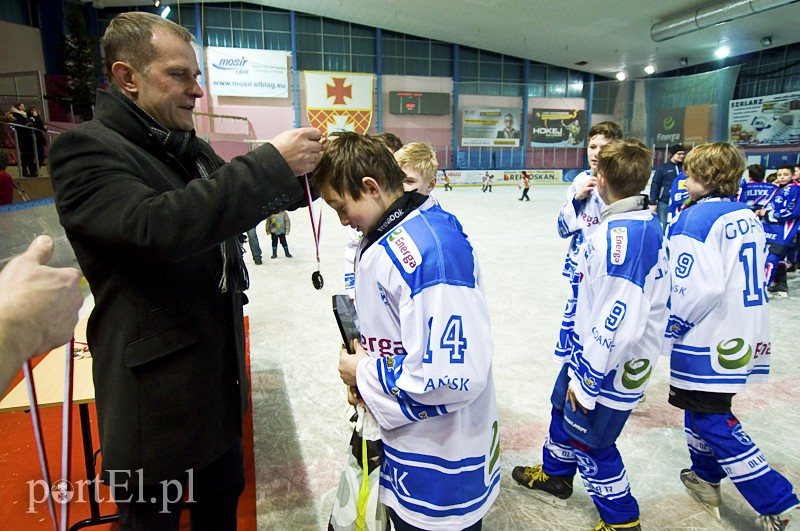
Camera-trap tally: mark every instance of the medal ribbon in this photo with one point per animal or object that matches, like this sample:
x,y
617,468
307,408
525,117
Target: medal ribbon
x,y
66,436
316,228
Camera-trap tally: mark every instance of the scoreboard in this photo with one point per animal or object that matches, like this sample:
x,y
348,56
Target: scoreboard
x,y
413,102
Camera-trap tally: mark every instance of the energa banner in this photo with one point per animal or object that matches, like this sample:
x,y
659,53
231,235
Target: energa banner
x,y
247,73
339,101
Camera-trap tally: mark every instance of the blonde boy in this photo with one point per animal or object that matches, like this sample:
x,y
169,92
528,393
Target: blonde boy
x,y
718,334
418,162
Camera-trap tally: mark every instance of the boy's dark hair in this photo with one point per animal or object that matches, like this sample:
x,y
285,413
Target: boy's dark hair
x,y
3,160
610,130
756,172
349,157
772,177
718,167
391,140
625,165
785,167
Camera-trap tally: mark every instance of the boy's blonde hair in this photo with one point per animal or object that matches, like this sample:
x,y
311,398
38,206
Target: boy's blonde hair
x,y
349,157
419,156
625,165
718,167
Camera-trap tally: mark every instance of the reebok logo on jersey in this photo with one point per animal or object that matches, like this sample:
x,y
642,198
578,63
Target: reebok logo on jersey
x,y
619,245
405,249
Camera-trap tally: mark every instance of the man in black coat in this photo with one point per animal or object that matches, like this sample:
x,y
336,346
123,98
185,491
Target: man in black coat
x,y
662,182
154,216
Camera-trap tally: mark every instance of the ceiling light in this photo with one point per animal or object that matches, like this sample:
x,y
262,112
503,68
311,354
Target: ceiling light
x,y
650,69
722,52
165,13
156,3
684,61
621,75
766,41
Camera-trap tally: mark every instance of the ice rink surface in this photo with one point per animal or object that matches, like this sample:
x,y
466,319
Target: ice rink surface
x,y
301,415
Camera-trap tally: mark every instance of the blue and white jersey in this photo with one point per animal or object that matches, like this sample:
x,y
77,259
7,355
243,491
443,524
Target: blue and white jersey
x,y
428,381
755,194
718,332
783,210
678,196
578,219
621,312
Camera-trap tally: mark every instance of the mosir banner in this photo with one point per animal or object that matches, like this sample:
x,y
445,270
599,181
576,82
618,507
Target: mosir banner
x,y
247,73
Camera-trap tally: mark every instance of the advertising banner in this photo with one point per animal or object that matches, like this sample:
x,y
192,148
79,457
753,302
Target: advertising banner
x,y
766,120
498,126
668,127
500,177
683,125
247,73
339,101
558,127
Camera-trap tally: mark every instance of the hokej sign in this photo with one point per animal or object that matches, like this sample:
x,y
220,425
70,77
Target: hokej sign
x,y
247,73
339,101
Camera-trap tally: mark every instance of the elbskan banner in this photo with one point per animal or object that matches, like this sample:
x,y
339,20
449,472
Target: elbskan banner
x,y
499,177
247,73
339,101
773,119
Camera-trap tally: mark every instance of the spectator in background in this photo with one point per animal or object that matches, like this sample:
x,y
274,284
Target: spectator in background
x,y
39,134
662,183
6,183
24,140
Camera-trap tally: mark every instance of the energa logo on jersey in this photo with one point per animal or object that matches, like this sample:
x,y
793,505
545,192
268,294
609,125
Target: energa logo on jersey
x,y
619,245
636,373
405,249
732,353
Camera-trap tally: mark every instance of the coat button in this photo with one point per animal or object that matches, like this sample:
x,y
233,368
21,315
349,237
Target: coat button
x,y
265,210
285,198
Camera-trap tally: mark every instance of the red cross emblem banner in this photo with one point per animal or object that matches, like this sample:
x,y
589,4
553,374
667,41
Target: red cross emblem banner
x,y
339,101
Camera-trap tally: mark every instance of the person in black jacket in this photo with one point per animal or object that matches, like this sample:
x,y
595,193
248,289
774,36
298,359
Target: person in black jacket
x,y
155,219
662,182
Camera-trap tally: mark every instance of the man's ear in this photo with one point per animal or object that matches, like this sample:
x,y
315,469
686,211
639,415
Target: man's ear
x,y
123,74
371,186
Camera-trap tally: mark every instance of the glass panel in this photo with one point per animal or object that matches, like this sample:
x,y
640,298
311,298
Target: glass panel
x,y
274,21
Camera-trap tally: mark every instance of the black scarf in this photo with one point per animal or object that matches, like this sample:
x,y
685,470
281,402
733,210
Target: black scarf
x,y
185,146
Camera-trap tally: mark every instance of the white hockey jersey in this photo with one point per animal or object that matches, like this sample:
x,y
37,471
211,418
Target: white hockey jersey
x,y
621,312
425,323
718,333
578,219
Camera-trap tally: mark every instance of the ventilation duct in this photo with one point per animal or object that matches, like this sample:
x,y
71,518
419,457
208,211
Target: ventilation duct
x,y
711,15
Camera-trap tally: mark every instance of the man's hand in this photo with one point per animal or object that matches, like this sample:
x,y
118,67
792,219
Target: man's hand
x,y
653,209
572,399
761,212
586,188
348,363
38,307
301,148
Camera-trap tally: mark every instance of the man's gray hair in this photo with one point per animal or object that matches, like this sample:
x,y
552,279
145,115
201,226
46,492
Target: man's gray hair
x,y
128,38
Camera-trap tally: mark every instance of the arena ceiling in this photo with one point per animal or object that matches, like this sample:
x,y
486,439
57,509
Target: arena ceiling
x,y
608,35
